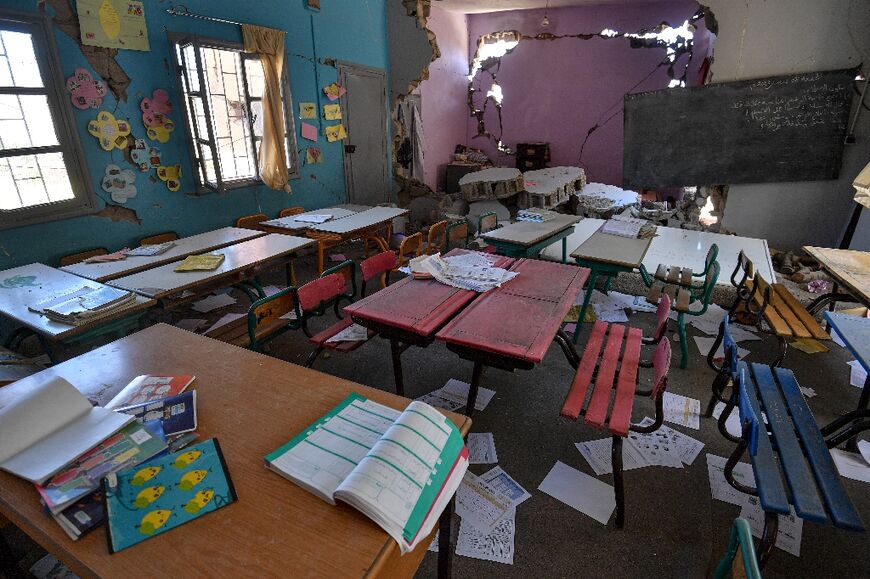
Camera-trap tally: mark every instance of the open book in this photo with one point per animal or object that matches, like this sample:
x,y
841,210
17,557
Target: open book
x,y
84,305
398,468
49,426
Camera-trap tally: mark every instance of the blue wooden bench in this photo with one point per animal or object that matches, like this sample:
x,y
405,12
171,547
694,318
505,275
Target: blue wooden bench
x,y
790,457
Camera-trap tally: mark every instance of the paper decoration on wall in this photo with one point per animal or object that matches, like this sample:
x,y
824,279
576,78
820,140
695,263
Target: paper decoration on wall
x,y
307,110
315,4
171,175
119,183
335,133
332,112
334,91
313,156
110,131
309,131
144,156
85,92
155,116
113,24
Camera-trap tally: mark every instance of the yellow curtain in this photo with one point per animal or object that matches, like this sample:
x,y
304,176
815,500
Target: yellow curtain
x,y
268,44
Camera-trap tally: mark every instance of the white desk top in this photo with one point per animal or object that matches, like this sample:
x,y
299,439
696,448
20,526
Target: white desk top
x,y
202,243
291,222
528,233
28,285
164,281
360,221
683,247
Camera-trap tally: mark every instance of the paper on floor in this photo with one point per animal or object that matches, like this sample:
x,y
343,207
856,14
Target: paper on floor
x,y
598,454
682,410
432,399
225,319
808,346
732,423
271,290
352,333
705,344
789,530
580,491
479,504
213,302
719,486
851,465
606,314
656,449
496,545
864,449
687,447
457,390
837,339
481,448
857,375
190,324
502,482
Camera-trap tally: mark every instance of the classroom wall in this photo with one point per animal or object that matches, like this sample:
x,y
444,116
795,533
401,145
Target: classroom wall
x,y
344,30
759,38
445,104
555,91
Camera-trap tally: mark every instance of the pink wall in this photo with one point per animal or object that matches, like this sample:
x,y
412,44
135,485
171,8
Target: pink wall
x,y
554,91
444,99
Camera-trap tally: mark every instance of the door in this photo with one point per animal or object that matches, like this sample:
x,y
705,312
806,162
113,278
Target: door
x,y
366,156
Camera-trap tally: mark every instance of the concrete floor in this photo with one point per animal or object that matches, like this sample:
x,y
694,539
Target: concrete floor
x,y
673,527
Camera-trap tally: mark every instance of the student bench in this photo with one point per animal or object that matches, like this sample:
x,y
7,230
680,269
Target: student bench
x,y
790,457
785,315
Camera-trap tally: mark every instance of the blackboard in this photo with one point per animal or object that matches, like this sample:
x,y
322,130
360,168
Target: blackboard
x,y
784,128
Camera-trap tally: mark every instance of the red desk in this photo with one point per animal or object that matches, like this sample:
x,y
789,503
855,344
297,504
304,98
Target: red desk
x,y
512,327
410,312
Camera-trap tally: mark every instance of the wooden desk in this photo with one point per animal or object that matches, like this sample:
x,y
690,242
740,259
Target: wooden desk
x,y
292,225
513,326
607,255
410,312
242,262
365,224
529,238
850,269
195,244
28,285
253,404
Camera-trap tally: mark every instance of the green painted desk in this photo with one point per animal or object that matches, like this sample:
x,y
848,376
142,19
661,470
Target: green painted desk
x,y
529,238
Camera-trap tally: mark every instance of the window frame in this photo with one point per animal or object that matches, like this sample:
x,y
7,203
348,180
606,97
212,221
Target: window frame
x,y
196,143
84,199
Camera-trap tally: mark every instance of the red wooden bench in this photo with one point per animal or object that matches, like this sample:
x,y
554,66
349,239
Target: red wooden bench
x,y
608,370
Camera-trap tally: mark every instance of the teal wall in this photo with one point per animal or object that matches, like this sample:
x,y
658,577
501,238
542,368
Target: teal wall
x,y
343,30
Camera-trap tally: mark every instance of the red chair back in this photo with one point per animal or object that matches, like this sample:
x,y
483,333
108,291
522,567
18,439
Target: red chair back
x,y
661,366
662,313
320,290
377,265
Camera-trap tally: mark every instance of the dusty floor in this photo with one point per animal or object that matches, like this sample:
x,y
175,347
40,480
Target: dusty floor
x,y
673,526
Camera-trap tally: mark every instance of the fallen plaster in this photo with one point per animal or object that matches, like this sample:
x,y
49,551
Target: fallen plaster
x,y
116,213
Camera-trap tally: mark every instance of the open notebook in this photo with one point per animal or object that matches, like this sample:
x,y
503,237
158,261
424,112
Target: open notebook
x,y
398,468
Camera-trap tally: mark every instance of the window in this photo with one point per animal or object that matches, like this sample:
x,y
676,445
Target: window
x,y
222,88
42,172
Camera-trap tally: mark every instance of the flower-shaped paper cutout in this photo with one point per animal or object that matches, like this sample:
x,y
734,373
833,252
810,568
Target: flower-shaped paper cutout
x,y
119,183
172,175
155,115
110,131
85,92
144,156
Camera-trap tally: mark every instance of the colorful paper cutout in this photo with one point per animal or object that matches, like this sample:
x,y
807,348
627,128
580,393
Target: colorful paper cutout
x,y
335,133
110,131
313,156
332,112
144,156
307,110
171,175
85,92
309,132
119,183
334,91
155,116
113,24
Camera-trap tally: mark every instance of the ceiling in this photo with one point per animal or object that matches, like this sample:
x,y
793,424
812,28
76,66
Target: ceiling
x,y
479,6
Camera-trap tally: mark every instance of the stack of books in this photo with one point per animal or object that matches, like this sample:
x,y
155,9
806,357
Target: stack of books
x,y
85,305
151,250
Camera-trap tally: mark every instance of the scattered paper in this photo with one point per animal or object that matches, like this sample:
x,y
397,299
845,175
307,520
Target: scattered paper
x,y
502,482
837,339
472,271
570,328
604,314
457,390
190,324
687,447
313,217
432,399
271,290
598,454
481,448
789,530
858,375
213,302
620,301
309,131
655,448
705,344
719,486
808,346
732,423
307,110
807,392
291,315
352,333
335,133
580,491
497,545
851,465
479,504
864,449
682,410
226,319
